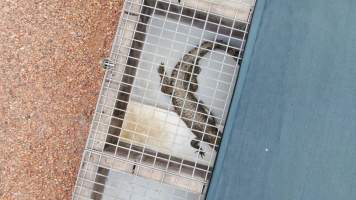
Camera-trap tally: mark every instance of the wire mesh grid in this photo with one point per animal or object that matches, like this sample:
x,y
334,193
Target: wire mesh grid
x,y
164,100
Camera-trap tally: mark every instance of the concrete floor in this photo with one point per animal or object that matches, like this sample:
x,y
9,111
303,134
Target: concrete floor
x,y
49,82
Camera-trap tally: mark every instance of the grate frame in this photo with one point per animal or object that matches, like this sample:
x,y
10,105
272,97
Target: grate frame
x,y
105,151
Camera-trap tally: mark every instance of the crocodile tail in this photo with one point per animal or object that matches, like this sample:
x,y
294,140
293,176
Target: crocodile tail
x,y
206,46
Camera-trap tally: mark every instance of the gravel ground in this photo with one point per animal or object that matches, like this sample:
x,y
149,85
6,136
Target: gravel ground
x,y
49,83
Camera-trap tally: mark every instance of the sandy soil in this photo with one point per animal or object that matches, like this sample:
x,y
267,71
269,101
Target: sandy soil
x,y
49,83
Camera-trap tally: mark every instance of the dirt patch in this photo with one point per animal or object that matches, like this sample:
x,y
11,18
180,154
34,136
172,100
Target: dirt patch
x,y
49,83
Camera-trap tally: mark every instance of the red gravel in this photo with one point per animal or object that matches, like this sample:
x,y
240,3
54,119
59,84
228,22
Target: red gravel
x,y
49,83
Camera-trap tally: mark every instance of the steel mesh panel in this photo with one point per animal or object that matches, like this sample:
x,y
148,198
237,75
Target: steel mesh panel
x,y
164,100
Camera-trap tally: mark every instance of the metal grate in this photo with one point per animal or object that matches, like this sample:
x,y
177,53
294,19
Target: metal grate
x,y
164,100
